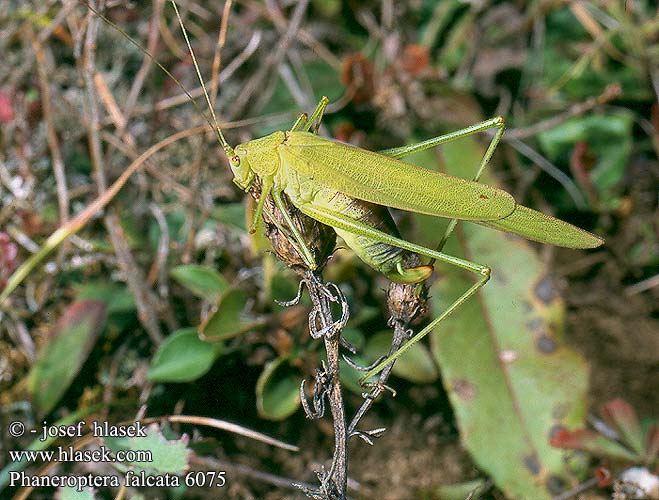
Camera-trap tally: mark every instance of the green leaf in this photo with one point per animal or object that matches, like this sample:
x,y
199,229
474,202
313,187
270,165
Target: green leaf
x,y
278,390
117,297
349,376
68,493
226,321
594,443
167,456
621,416
509,376
417,365
61,357
576,73
232,214
182,357
204,282
609,138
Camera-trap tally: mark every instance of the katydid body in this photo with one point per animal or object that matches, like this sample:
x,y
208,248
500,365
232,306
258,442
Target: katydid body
x,y
331,182
336,184
282,162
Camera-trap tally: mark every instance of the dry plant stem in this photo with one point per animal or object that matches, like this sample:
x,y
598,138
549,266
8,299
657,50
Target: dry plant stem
x,y
225,426
147,63
642,286
144,298
88,71
551,169
51,135
170,40
333,486
198,168
168,183
53,142
400,336
406,303
610,92
225,74
158,271
57,21
217,56
577,490
274,59
593,27
83,217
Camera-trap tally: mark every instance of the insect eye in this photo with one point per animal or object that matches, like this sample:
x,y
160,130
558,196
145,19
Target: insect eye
x,y
235,160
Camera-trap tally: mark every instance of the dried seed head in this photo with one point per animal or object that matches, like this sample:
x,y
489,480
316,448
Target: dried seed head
x,y
358,76
415,59
407,302
319,238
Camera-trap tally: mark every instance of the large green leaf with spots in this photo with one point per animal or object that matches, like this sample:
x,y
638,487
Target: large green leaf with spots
x,y
510,377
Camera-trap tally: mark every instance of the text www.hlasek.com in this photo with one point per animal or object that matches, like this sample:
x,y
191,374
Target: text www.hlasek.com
x,y
69,454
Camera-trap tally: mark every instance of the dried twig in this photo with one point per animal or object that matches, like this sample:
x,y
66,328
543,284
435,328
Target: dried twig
x,y
53,142
577,490
406,303
144,298
610,92
217,56
147,63
333,483
257,80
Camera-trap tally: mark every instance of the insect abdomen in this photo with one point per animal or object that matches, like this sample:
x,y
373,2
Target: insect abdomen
x,y
384,258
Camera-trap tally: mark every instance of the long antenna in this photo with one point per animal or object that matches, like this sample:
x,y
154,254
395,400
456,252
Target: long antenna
x,y
214,125
227,149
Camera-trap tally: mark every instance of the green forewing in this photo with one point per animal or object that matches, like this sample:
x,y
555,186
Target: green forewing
x,y
544,228
378,179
